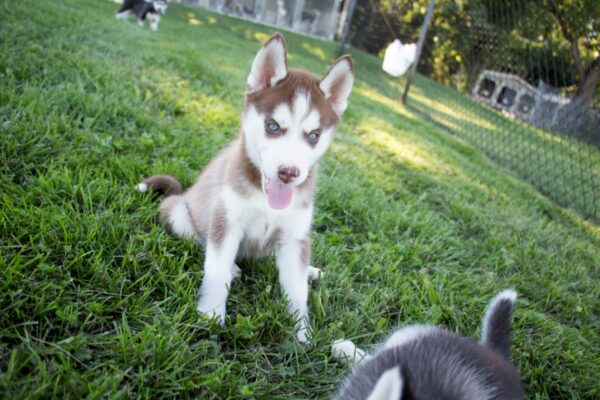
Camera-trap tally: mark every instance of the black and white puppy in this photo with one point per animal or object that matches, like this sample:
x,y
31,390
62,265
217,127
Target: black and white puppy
x,y
144,9
425,362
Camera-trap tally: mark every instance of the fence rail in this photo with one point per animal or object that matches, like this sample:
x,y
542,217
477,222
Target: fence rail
x,y
312,17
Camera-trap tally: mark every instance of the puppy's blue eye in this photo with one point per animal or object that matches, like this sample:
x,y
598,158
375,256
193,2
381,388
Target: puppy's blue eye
x,y
313,137
272,127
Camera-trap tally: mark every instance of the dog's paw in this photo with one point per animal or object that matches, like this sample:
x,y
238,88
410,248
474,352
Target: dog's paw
x,y
314,274
211,309
236,271
303,336
346,351
303,331
342,350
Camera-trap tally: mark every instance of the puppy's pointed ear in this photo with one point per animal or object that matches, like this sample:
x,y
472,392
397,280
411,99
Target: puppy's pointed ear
x,y
389,386
337,83
269,66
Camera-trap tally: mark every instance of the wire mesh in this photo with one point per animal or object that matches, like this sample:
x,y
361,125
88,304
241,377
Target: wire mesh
x,y
519,79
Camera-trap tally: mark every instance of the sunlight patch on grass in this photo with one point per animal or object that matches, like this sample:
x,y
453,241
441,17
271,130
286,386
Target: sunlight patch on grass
x,y
260,37
490,120
192,20
257,36
459,116
374,132
233,69
400,83
201,108
315,51
371,94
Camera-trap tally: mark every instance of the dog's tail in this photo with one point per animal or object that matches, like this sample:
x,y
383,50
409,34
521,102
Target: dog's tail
x,y
161,183
496,323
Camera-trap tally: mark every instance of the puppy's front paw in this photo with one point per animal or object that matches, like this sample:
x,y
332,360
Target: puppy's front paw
x,y
211,309
303,331
303,336
345,351
314,274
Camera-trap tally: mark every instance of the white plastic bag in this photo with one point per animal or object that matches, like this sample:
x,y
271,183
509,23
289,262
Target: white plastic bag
x,y
398,57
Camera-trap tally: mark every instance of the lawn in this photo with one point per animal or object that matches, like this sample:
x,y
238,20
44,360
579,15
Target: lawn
x,y
563,168
412,224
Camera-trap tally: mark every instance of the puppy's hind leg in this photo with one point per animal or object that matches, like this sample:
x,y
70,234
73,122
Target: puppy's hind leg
x,y
123,14
154,20
125,10
174,212
175,216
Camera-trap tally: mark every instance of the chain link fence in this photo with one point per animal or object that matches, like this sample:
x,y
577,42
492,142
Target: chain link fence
x,y
518,79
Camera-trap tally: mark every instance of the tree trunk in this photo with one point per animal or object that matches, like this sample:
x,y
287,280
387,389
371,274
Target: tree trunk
x,y
569,36
587,86
364,25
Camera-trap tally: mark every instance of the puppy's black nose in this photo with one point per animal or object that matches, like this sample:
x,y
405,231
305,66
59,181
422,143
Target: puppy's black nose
x,y
287,174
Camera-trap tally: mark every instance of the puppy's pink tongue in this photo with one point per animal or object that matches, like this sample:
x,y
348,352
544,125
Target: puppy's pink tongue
x,y
279,195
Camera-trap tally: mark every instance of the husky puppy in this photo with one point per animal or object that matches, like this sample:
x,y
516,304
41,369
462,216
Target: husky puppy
x,y
256,195
425,362
144,9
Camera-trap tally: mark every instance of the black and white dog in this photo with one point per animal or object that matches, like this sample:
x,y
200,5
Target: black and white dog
x,y
144,9
425,362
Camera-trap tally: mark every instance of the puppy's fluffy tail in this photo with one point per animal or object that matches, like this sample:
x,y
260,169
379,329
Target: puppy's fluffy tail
x,y
161,183
496,323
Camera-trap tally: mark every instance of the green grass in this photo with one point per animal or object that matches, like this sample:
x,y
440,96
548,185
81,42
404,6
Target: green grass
x,y
412,224
563,168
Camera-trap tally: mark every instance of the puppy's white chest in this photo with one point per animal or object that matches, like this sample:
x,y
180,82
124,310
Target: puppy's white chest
x,y
264,227
257,225
261,233
261,222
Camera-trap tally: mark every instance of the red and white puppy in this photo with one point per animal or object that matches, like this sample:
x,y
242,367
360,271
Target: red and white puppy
x,y
256,195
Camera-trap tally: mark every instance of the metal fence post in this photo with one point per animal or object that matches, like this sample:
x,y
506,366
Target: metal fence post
x,y
347,14
422,35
